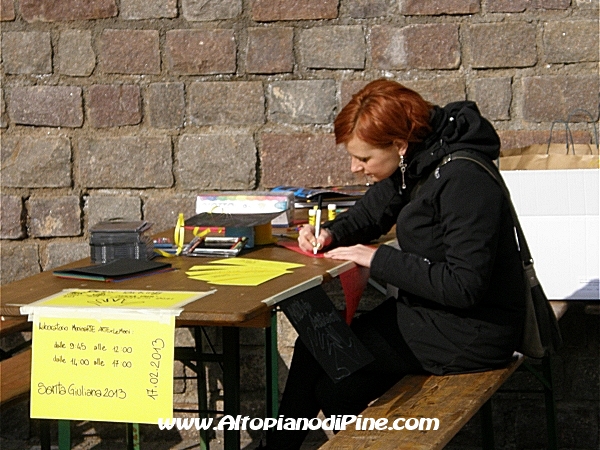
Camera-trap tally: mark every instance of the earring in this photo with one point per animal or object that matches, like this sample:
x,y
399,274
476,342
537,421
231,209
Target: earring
x,y
402,166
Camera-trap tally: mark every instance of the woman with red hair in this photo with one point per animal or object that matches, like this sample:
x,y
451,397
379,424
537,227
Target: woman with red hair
x,y
457,270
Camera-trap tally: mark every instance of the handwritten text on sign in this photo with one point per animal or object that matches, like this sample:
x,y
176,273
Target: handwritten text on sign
x,y
104,355
105,370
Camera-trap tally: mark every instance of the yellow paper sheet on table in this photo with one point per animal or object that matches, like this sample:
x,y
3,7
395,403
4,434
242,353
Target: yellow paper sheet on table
x,y
240,271
109,370
115,298
257,263
237,279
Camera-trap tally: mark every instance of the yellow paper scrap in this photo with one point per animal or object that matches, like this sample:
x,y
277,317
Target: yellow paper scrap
x,y
237,277
236,269
240,271
246,280
254,263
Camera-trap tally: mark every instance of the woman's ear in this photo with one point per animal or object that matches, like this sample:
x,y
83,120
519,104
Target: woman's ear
x,y
401,146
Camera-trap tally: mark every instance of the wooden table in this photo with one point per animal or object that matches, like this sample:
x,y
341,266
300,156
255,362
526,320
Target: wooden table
x,y
236,306
230,307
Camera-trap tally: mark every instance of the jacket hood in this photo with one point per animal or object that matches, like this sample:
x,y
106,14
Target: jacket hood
x,y
457,126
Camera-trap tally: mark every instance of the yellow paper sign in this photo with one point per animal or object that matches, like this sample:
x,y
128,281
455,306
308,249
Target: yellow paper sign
x,y
102,369
104,355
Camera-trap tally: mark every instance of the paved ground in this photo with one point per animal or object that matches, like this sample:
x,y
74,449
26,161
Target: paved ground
x,y
18,432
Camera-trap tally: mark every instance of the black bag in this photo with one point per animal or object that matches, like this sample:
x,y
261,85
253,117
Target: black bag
x,y
541,335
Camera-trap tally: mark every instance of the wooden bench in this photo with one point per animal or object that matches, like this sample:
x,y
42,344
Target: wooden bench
x,y
15,378
15,372
452,399
10,326
15,366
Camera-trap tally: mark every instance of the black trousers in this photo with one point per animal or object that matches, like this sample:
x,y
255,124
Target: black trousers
x,y
309,389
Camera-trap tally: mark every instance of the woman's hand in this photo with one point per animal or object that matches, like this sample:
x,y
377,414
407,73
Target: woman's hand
x,y
307,240
359,254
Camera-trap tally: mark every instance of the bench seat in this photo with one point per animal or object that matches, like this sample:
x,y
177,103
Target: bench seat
x,y
453,399
11,325
15,365
15,378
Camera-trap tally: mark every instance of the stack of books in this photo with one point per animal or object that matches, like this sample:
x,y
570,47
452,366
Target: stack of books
x,y
112,240
248,202
341,196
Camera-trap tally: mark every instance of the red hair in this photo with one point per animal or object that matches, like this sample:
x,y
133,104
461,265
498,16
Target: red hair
x,y
383,112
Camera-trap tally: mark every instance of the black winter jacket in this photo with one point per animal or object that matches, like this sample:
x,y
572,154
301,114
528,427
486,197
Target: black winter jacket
x,y
458,270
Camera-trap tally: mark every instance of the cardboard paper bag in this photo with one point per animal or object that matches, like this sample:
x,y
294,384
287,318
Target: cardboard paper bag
x,y
550,156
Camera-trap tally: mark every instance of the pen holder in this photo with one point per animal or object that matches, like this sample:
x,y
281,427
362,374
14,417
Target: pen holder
x,y
263,234
257,235
240,232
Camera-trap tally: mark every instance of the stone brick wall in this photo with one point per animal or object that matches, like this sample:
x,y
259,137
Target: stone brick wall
x,y
128,108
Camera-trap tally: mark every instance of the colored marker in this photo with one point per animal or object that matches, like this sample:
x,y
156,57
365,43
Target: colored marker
x,y
317,226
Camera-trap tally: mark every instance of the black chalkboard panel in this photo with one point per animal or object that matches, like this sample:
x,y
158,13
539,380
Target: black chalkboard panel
x,y
325,333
